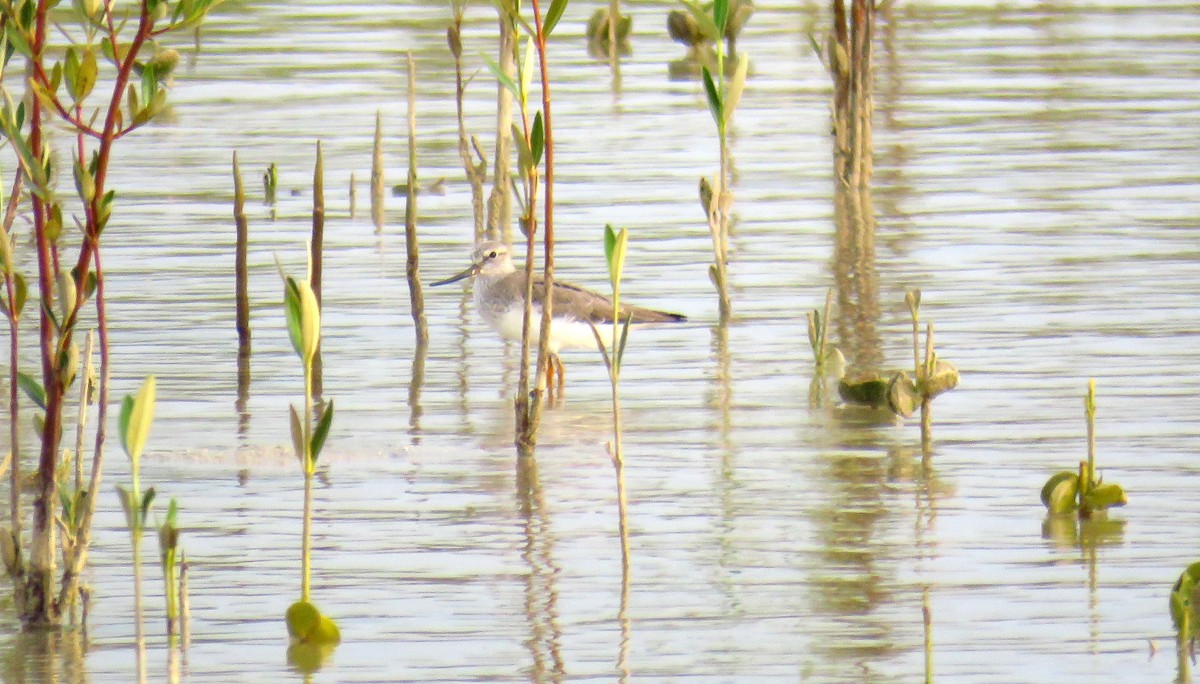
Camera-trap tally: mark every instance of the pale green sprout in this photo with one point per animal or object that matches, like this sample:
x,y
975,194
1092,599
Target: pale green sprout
x,y
306,625
137,414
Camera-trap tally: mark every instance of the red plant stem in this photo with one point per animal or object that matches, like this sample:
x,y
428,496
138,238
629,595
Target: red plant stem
x,y
548,208
10,293
42,547
74,566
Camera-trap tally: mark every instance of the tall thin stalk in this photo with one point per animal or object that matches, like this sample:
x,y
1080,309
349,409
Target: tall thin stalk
x,y
499,204
12,544
241,249
412,266
377,179
476,172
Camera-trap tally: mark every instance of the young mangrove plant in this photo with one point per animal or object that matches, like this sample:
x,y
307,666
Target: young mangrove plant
x,y
716,198
828,361
1083,491
614,253
476,172
168,553
1185,611
898,392
615,243
91,47
535,139
306,625
137,413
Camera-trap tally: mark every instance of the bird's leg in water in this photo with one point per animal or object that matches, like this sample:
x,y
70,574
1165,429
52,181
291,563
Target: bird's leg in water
x,y
562,374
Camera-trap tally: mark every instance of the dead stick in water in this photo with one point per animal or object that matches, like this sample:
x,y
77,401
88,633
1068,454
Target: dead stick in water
x,y
241,273
417,299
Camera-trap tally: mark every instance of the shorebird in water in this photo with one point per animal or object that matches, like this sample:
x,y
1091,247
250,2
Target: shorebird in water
x,y
578,313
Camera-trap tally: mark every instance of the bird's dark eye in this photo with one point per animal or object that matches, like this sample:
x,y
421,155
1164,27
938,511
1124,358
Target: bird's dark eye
x,y
492,254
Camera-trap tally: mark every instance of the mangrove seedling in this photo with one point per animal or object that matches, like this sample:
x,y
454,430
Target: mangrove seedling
x,y
614,351
1083,491
615,243
828,361
688,27
270,181
99,68
603,33
535,145
898,392
716,199
306,625
1185,604
168,548
137,413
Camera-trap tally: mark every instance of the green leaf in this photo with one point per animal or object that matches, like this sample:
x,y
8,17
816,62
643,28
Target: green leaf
x,y
6,258
18,40
70,71
68,504
526,81
714,97
33,389
500,76
293,314
943,379
615,242
322,430
736,85
524,155
307,625
297,434
867,389
310,322
128,505
553,15
1184,605
705,23
913,299
624,338
20,293
610,242
1102,496
88,71
903,398
537,139
137,413
1060,492
720,11
147,500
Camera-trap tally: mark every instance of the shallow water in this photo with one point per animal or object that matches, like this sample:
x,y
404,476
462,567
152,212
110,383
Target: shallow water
x,y
1036,172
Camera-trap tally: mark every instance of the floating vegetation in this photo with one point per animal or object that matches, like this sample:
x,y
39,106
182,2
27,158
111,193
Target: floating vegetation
x,y
603,33
1083,491
897,391
690,26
